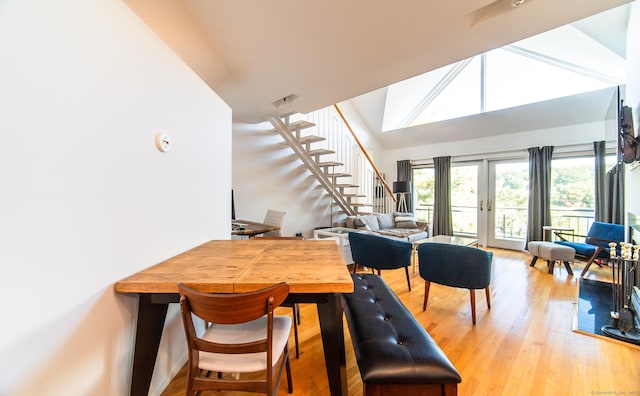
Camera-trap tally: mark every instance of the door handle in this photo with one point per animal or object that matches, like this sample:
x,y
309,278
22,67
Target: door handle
x,y
489,205
481,202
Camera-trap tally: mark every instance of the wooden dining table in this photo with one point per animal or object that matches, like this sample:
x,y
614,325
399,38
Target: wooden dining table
x,y
314,269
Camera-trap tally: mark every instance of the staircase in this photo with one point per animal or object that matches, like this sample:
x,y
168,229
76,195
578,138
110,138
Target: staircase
x,y
336,160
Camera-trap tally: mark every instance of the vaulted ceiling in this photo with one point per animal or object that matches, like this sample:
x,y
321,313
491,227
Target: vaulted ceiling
x,y
254,54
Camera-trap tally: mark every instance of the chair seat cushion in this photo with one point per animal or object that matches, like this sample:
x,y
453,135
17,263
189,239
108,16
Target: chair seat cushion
x,y
582,249
241,333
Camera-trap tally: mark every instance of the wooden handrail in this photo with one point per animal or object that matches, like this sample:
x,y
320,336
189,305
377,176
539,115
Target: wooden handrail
x,y
366,154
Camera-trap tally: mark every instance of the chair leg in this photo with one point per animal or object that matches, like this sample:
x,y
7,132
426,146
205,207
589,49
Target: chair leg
x,y
296,318
472,293
488,293
427,284
288,369
406,271
591,259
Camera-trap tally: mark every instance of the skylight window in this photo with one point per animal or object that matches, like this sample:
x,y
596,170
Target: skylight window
x,y
559,63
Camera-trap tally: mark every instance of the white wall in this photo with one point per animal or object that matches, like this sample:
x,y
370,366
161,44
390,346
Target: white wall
x,y
86,199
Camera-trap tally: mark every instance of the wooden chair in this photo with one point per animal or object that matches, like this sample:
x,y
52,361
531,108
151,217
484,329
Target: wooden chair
x,y
245,337
596,242
294,306
456,266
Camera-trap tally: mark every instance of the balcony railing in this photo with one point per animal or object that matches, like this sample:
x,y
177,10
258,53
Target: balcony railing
x,y
511,222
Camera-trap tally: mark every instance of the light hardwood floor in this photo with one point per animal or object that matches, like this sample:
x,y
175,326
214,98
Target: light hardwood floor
x,y
523,346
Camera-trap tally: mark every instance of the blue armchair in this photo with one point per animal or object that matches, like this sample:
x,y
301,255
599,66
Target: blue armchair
x,y
596,243
456,266
380,253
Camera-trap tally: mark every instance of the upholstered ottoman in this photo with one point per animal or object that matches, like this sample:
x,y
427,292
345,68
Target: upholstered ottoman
x,y
551,252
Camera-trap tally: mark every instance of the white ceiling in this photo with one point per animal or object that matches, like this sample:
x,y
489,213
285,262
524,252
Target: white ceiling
x,y
253,53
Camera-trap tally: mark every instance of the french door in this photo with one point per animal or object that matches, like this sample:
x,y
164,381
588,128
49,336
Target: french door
x,y
506,204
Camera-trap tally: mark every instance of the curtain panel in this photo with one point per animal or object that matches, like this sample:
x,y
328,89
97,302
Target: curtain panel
x,y
539,213
600,200
442,221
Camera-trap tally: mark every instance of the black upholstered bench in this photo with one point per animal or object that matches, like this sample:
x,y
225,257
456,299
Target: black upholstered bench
x,y
395,355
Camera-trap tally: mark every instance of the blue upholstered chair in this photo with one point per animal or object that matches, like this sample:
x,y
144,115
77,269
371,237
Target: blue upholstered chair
x,y
596,243
456,266
380,253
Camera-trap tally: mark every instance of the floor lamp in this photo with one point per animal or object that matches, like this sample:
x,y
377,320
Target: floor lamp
x,y
402,188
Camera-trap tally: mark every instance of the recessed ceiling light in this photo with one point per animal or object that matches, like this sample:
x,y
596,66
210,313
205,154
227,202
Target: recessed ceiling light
x,y
516,3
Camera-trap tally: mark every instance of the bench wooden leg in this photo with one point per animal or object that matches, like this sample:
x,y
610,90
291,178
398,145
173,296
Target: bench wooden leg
x,y
533,261
568,267
551,264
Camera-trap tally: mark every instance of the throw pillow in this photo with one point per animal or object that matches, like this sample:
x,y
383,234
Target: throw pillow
x,y
350,222
405,220
361,225
385,220
371,222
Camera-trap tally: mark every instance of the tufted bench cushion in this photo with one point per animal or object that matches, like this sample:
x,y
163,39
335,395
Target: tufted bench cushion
x,y
551,252
395,355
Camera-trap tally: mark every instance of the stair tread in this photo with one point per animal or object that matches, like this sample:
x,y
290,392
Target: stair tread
x,y
300,124
310,139
330,163
321,151
339,174
346,185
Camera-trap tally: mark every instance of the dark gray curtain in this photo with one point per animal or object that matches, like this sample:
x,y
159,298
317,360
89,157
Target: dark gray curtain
x,y
599,150
539,191
614,203
442,222
405,174
609,189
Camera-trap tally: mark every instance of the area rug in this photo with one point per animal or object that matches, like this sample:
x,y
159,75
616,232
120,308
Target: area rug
x,y
594,309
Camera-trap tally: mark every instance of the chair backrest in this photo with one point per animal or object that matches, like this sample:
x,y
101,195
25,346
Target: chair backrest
x,y
455,265
379,252
230,309
274,217
602,233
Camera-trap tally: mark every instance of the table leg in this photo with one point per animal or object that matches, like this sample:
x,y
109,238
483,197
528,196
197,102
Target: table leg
x,y
330,315
151,317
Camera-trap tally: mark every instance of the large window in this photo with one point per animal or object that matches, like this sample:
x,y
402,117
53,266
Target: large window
x,y
572,197
573,192
423,184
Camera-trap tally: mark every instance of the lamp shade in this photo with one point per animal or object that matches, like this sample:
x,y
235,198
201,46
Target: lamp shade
x,y
401,187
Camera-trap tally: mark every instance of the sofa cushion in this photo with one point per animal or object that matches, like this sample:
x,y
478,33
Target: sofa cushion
x,y
404,220
385,220
368,222
350,222
406,234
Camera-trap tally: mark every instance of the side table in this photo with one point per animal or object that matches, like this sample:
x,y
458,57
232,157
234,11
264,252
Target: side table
x,y
341,236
